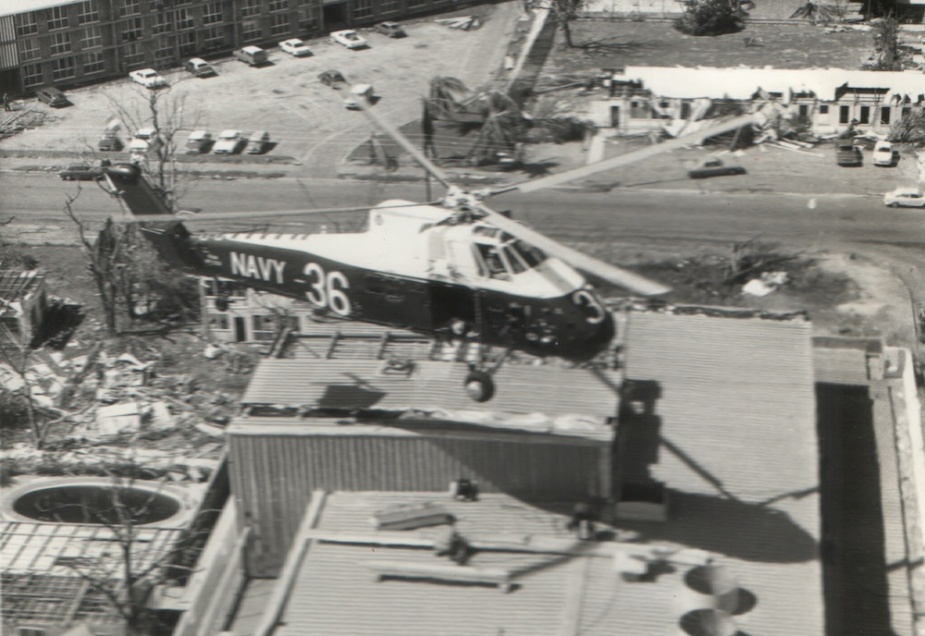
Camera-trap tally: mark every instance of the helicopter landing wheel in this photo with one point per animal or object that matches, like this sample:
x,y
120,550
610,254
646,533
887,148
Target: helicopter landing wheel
x,y
479,385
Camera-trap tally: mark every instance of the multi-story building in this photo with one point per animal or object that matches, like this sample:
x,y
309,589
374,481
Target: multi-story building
x,y
70,42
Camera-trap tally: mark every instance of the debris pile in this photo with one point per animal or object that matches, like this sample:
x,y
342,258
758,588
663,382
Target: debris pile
x,y
103,402
465,23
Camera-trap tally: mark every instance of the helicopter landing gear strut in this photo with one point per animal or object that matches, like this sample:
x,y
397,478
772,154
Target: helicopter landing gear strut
x,y
479,384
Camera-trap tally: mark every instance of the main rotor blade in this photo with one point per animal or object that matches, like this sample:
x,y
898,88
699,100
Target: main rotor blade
x,y
402,141
632,157
242,216
616,275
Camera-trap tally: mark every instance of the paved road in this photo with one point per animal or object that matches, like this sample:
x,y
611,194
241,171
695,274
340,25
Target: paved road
x,y
618,216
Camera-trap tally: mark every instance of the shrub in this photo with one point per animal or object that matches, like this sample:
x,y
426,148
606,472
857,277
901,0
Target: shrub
x,y
710,17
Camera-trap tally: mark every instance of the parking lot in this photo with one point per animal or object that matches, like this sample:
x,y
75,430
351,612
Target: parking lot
x,y
306,120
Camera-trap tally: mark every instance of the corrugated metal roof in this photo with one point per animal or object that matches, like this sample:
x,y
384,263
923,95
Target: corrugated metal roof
x,y
736,417
555,593
362,384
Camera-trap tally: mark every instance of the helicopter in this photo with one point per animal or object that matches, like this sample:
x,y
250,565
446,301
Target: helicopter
x,y
453,268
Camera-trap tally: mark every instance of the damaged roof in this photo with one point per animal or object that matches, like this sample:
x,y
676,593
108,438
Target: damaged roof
x,y
560,585
378,385
16,285
742,82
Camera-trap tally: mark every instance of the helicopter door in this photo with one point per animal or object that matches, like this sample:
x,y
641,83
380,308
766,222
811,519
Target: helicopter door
x,y
397,301
453,303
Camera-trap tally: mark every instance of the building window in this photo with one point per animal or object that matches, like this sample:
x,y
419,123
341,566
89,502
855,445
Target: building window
x,y
389,6
60,43
93,62
131,30
134,54
87,12
185,19
29,50
823,109
250,30
219,322
187,42
91,38
308,18
844,114
212,13
865,115
906,111
414,4
130,7
249,8
804,110
279,5
214,37
280,24
26,24
32,74
162,23
164,48
362,9
63,68
57,18
885,115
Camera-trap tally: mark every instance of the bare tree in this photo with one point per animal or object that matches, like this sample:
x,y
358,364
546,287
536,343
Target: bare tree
x,y
126,576
167,113
564,12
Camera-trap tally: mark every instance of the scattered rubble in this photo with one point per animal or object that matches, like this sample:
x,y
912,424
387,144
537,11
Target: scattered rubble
x,y
464,23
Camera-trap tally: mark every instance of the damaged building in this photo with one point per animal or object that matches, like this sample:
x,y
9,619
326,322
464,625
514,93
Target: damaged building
x,y
651,98
23,304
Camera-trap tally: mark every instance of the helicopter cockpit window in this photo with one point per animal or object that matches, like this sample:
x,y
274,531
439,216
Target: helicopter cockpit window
x,y
530,255
513,259
494,262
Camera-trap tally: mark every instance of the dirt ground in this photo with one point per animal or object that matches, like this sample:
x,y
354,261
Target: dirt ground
x,y
613,44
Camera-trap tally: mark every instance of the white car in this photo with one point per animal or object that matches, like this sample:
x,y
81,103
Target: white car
x,y
904,197
148,78
228,143
350,39
295,47
883,154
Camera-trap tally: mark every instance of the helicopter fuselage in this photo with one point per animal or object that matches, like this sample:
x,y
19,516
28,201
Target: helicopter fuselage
x,y
420,267
413,270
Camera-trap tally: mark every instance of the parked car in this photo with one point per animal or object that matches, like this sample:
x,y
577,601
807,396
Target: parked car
x,y
332,78
200,68
146,133
52,96
904,197
391,29
358,92
252,55
110,143
80,172
198,141
884,154
228,143
295,47
714,168
148,78
847,154
349,38
257,143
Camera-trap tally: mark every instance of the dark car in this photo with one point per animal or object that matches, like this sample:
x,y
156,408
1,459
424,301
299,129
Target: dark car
x,y
80,172
52,96
391,29
109,143
847,154
332,78
714,168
